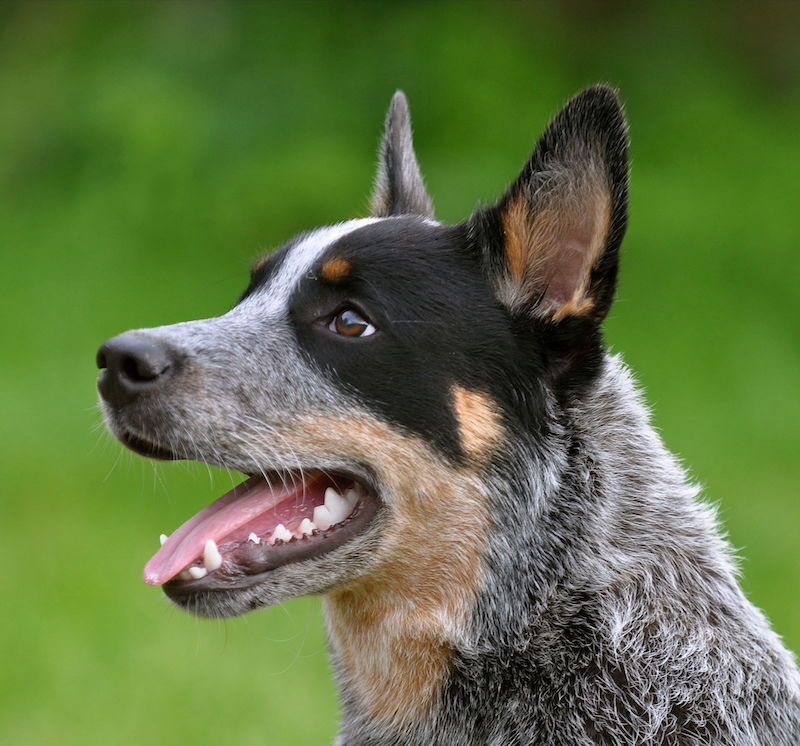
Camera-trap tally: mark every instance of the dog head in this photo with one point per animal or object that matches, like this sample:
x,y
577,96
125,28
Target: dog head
x,y
376,375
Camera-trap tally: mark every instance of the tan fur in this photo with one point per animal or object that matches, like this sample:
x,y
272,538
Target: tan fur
x,y
578,305
392,629
589,229
518,240
335,270
571,222
479,422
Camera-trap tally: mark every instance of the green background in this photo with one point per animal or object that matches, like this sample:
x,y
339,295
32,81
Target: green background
x,y
149,152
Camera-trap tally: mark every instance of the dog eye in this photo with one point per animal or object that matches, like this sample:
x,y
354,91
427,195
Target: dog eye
x,y
350,323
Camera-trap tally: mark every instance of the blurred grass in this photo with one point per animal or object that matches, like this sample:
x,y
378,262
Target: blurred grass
x,y
149,152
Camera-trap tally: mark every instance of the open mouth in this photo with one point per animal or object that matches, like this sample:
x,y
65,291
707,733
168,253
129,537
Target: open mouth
x,y
263,523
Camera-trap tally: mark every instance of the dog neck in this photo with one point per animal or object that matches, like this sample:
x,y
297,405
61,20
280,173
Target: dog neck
x,y
598,526
393,632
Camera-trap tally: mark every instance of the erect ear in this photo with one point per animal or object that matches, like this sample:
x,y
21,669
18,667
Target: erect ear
x,y
551,243
399,187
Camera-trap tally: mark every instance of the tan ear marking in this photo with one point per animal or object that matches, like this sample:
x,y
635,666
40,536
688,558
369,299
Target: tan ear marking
x,y
589,228
336,270
516,226
479,422
551,247
574,307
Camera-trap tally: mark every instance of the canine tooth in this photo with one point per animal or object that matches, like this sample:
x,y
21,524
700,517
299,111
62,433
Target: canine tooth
x,y
198,572
352,496
212,559
322,518
338,506
163,539
253,538
306,527
281,533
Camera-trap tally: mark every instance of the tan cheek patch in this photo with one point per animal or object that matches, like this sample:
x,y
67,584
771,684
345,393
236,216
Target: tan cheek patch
x,y
392,630
335,270
479,422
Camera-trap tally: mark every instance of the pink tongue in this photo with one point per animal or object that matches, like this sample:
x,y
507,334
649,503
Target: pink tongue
x,y
233,510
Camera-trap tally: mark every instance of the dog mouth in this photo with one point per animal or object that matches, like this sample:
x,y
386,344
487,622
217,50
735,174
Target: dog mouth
x,y
269,520
146,448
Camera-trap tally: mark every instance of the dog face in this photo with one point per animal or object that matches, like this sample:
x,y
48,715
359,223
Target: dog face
x,y
377,375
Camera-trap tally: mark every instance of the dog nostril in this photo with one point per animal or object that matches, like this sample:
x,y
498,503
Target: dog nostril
x,y
101,359
141,368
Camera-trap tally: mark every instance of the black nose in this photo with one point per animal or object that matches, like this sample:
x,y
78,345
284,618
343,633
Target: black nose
x,y
132,364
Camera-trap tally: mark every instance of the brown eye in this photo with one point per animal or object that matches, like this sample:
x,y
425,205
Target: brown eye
x,y
350,323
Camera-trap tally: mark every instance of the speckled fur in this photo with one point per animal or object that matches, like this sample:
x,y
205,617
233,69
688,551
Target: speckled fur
x,y
540,569
610,610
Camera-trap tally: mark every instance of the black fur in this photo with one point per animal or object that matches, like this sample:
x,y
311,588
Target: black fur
x,y
603,605
438,325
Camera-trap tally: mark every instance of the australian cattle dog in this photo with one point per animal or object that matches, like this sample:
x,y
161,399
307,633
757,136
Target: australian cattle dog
x,y
439,444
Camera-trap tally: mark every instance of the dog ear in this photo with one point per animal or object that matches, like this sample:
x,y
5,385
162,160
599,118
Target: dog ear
x,y
399,188
551,243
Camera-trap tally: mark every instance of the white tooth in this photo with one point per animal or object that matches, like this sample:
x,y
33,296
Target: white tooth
x,y
306,527
212,559
280,532
185,575
163,539
322,518
337,505
352,496
198,572
253,538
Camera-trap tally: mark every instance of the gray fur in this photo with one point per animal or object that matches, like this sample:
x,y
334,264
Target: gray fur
x,y
610,610
243,380
399,187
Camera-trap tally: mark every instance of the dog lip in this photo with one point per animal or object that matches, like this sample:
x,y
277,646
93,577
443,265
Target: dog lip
x,y
259,505
146,448
256,567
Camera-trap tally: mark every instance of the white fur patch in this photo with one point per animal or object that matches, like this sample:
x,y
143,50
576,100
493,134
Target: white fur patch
x,y
273,301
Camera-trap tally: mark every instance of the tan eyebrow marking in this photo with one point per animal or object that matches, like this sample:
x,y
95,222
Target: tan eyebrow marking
x,y
335,270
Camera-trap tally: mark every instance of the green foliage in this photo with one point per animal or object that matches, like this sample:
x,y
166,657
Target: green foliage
x,y
149,152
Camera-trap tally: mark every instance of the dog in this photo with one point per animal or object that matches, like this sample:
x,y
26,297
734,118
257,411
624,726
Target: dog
x,y
438,443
